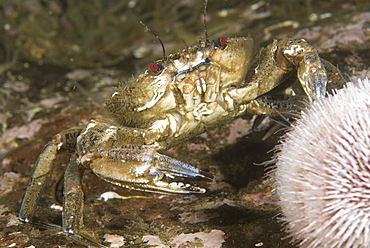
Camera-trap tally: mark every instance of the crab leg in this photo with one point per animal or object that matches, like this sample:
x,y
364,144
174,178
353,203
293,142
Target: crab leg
x,y
273,64
41,172
73,205
277,105
73,198
64,140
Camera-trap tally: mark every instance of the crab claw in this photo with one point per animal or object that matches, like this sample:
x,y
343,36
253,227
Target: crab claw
x,y
170,167
173,167
146,170
292,53
312,75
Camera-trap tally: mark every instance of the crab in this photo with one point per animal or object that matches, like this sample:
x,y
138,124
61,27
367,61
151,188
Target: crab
x,y
180,96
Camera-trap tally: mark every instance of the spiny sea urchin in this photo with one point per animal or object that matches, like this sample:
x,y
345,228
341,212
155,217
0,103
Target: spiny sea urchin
x,y
322,174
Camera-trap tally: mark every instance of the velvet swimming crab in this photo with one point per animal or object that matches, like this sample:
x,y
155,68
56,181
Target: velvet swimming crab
x,y
178,97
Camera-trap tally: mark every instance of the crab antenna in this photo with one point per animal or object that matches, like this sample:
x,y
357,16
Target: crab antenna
x,y
186,46
205,20
147,29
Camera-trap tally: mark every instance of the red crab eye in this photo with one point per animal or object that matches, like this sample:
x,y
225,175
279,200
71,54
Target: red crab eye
x,y
155,67
223,41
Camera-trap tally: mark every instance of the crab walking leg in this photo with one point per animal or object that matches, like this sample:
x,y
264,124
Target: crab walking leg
x,y
274,106
73,203
41,172
64,140
73,198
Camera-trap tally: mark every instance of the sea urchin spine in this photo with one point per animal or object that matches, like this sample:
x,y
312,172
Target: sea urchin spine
x,y
322,174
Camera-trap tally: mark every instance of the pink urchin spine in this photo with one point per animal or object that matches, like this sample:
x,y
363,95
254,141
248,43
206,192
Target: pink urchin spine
x,y
322,174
